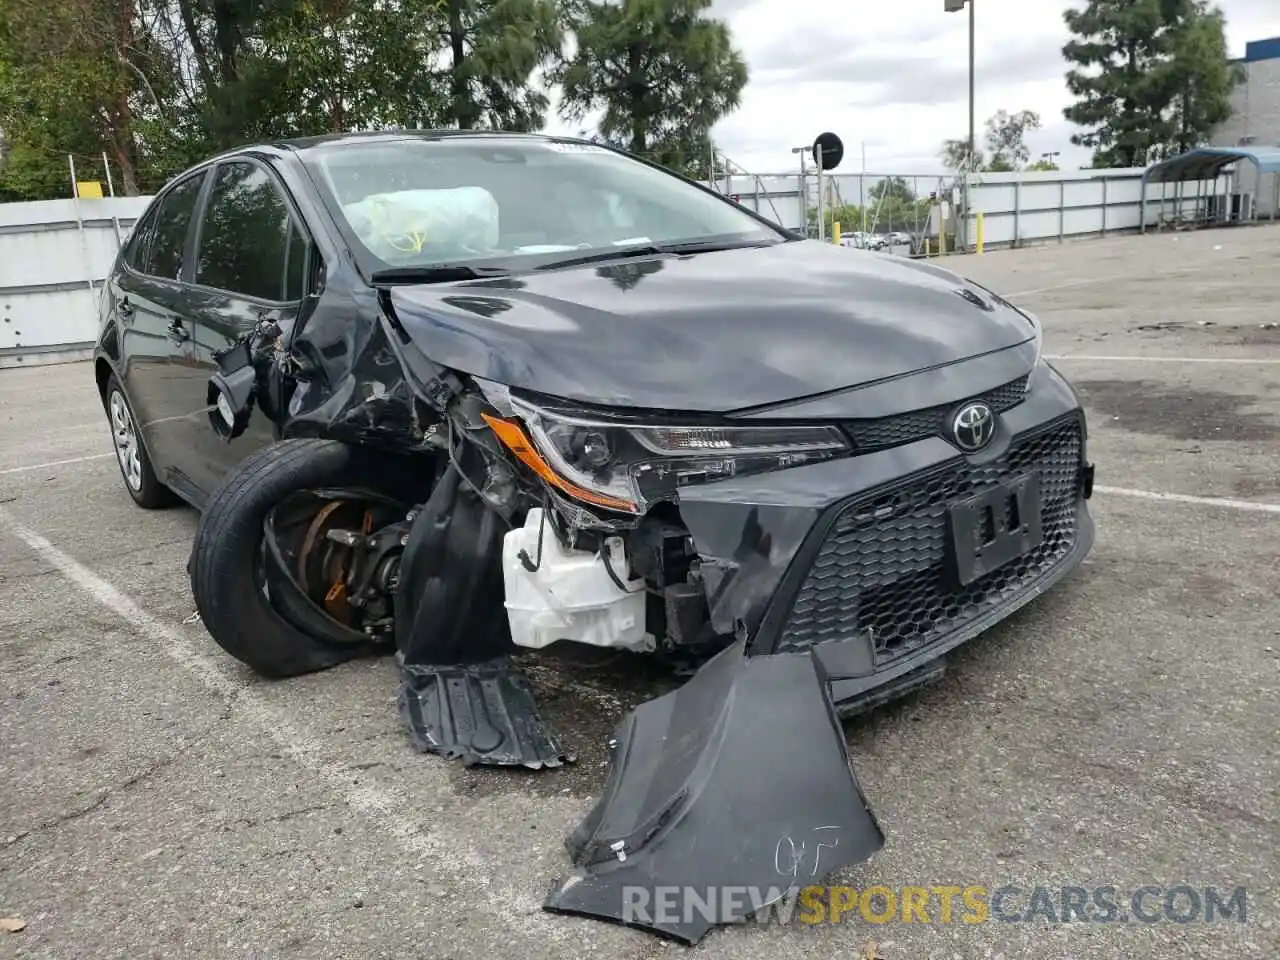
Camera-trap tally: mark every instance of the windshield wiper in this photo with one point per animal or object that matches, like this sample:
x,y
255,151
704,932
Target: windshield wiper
x,y
655,249
436,273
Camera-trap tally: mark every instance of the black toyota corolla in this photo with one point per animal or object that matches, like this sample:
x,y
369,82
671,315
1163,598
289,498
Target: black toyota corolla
x,y
454,394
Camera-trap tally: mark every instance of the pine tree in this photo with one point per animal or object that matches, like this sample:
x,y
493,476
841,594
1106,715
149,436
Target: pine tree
x,y
662,71
1151,77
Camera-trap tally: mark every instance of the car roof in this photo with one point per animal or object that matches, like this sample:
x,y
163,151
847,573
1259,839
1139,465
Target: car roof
x,y
302,144
294,146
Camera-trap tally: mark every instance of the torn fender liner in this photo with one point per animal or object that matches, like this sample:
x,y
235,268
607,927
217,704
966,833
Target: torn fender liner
x,y
481,713
722,796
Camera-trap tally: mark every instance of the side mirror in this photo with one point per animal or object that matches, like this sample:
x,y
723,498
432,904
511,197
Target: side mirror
x,y
231,391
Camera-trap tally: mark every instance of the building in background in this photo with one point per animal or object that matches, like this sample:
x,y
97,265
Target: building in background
x,y
1255,117
1255,103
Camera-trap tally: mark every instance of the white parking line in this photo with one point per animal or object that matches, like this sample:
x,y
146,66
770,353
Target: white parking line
x,y
1248,505
384,807
1111,359
56,463
1084,282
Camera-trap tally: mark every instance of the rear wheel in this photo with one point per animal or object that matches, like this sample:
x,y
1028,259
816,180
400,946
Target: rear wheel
x,y
135,465
273,555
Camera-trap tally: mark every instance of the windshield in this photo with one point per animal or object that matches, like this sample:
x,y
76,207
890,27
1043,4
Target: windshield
x,y
415,202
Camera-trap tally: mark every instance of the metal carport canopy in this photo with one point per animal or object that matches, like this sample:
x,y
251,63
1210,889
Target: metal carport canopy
x,y
1205,163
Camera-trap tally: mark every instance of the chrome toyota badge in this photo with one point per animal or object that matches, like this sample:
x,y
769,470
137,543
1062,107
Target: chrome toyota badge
x,y
973,426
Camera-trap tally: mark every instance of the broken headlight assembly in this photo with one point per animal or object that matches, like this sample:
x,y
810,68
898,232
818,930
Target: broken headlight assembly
x,y
629,467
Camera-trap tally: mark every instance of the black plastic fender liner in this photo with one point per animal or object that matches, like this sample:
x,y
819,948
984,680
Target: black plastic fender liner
x,y
480,713
460,695
722,797
449,604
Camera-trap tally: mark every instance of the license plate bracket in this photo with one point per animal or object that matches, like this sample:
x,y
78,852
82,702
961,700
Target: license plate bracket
x,y
994,527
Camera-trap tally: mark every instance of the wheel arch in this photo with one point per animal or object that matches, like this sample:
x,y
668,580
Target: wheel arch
x,y
106,357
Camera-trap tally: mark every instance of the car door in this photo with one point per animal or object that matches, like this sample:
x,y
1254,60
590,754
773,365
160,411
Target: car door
x,y
251,260
154,336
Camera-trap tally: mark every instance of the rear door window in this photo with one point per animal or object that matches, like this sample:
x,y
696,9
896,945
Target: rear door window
x,y
138,247
245,240
167,253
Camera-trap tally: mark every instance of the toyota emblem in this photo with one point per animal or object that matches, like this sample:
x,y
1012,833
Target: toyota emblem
x,y
973,426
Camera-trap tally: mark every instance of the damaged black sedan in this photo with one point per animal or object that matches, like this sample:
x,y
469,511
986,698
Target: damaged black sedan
x,y
453,395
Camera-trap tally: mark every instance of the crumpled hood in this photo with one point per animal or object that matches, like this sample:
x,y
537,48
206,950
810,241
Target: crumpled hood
x,y
713,332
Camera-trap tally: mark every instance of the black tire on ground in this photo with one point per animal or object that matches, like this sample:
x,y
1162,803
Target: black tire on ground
x,y
224,565
136,471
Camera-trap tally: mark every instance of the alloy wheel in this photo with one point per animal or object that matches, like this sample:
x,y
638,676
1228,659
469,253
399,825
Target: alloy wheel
x,y
125,437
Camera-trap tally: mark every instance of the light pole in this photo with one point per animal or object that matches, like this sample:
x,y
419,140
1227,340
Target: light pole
x,y
1051,156
955,6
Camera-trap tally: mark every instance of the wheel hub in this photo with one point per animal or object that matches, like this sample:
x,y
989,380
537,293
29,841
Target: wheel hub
x,y
341,548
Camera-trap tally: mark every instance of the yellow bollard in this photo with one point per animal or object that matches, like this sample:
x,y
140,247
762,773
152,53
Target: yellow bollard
x,y
928,247
835,232
978,232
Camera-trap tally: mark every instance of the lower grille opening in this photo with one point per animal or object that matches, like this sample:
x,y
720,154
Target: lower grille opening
x,y
883,566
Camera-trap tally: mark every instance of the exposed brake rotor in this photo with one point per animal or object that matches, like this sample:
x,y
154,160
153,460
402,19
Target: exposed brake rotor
x,y
324,563
341,549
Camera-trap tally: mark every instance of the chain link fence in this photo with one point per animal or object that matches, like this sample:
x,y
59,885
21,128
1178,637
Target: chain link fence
x,y
898,213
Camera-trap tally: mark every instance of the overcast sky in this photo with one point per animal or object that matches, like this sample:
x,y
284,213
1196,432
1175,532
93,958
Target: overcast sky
x,y
894,76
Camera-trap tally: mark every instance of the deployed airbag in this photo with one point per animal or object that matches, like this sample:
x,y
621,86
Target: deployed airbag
x,y
456,221
722,796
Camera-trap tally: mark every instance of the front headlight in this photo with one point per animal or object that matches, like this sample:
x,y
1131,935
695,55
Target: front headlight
x,y
630,467
1037,371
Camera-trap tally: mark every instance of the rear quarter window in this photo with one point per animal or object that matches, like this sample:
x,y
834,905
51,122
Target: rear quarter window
x,y
167,249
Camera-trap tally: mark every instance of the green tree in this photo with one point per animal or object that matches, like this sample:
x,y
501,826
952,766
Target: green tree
x,y
1043,165
1007,138
493,48
892,188
955,155
76,77
661,71
1005,141
342,66
1199,78
1151,77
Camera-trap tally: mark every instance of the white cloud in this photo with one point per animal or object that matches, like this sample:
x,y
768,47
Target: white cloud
x,y
894,76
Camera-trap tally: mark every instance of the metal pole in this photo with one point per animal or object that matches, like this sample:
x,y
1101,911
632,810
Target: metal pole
x,y
973,142
972,137
822,227
804,196
111,190
862,190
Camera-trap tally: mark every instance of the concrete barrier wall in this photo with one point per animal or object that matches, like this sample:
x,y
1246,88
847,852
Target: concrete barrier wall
x,y
54,257
1018,208
1023,208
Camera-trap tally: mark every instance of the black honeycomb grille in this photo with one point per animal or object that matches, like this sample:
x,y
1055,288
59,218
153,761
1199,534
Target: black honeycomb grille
x,y
894,431
884,567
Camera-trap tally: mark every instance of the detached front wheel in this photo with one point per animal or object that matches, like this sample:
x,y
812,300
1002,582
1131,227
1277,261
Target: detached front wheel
x,y
284,536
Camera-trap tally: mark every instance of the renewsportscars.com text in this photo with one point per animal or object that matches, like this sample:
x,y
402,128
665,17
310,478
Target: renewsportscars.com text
x,y
939,904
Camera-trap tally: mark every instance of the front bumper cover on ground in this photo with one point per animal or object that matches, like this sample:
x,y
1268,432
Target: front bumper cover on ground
x,y
737,781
